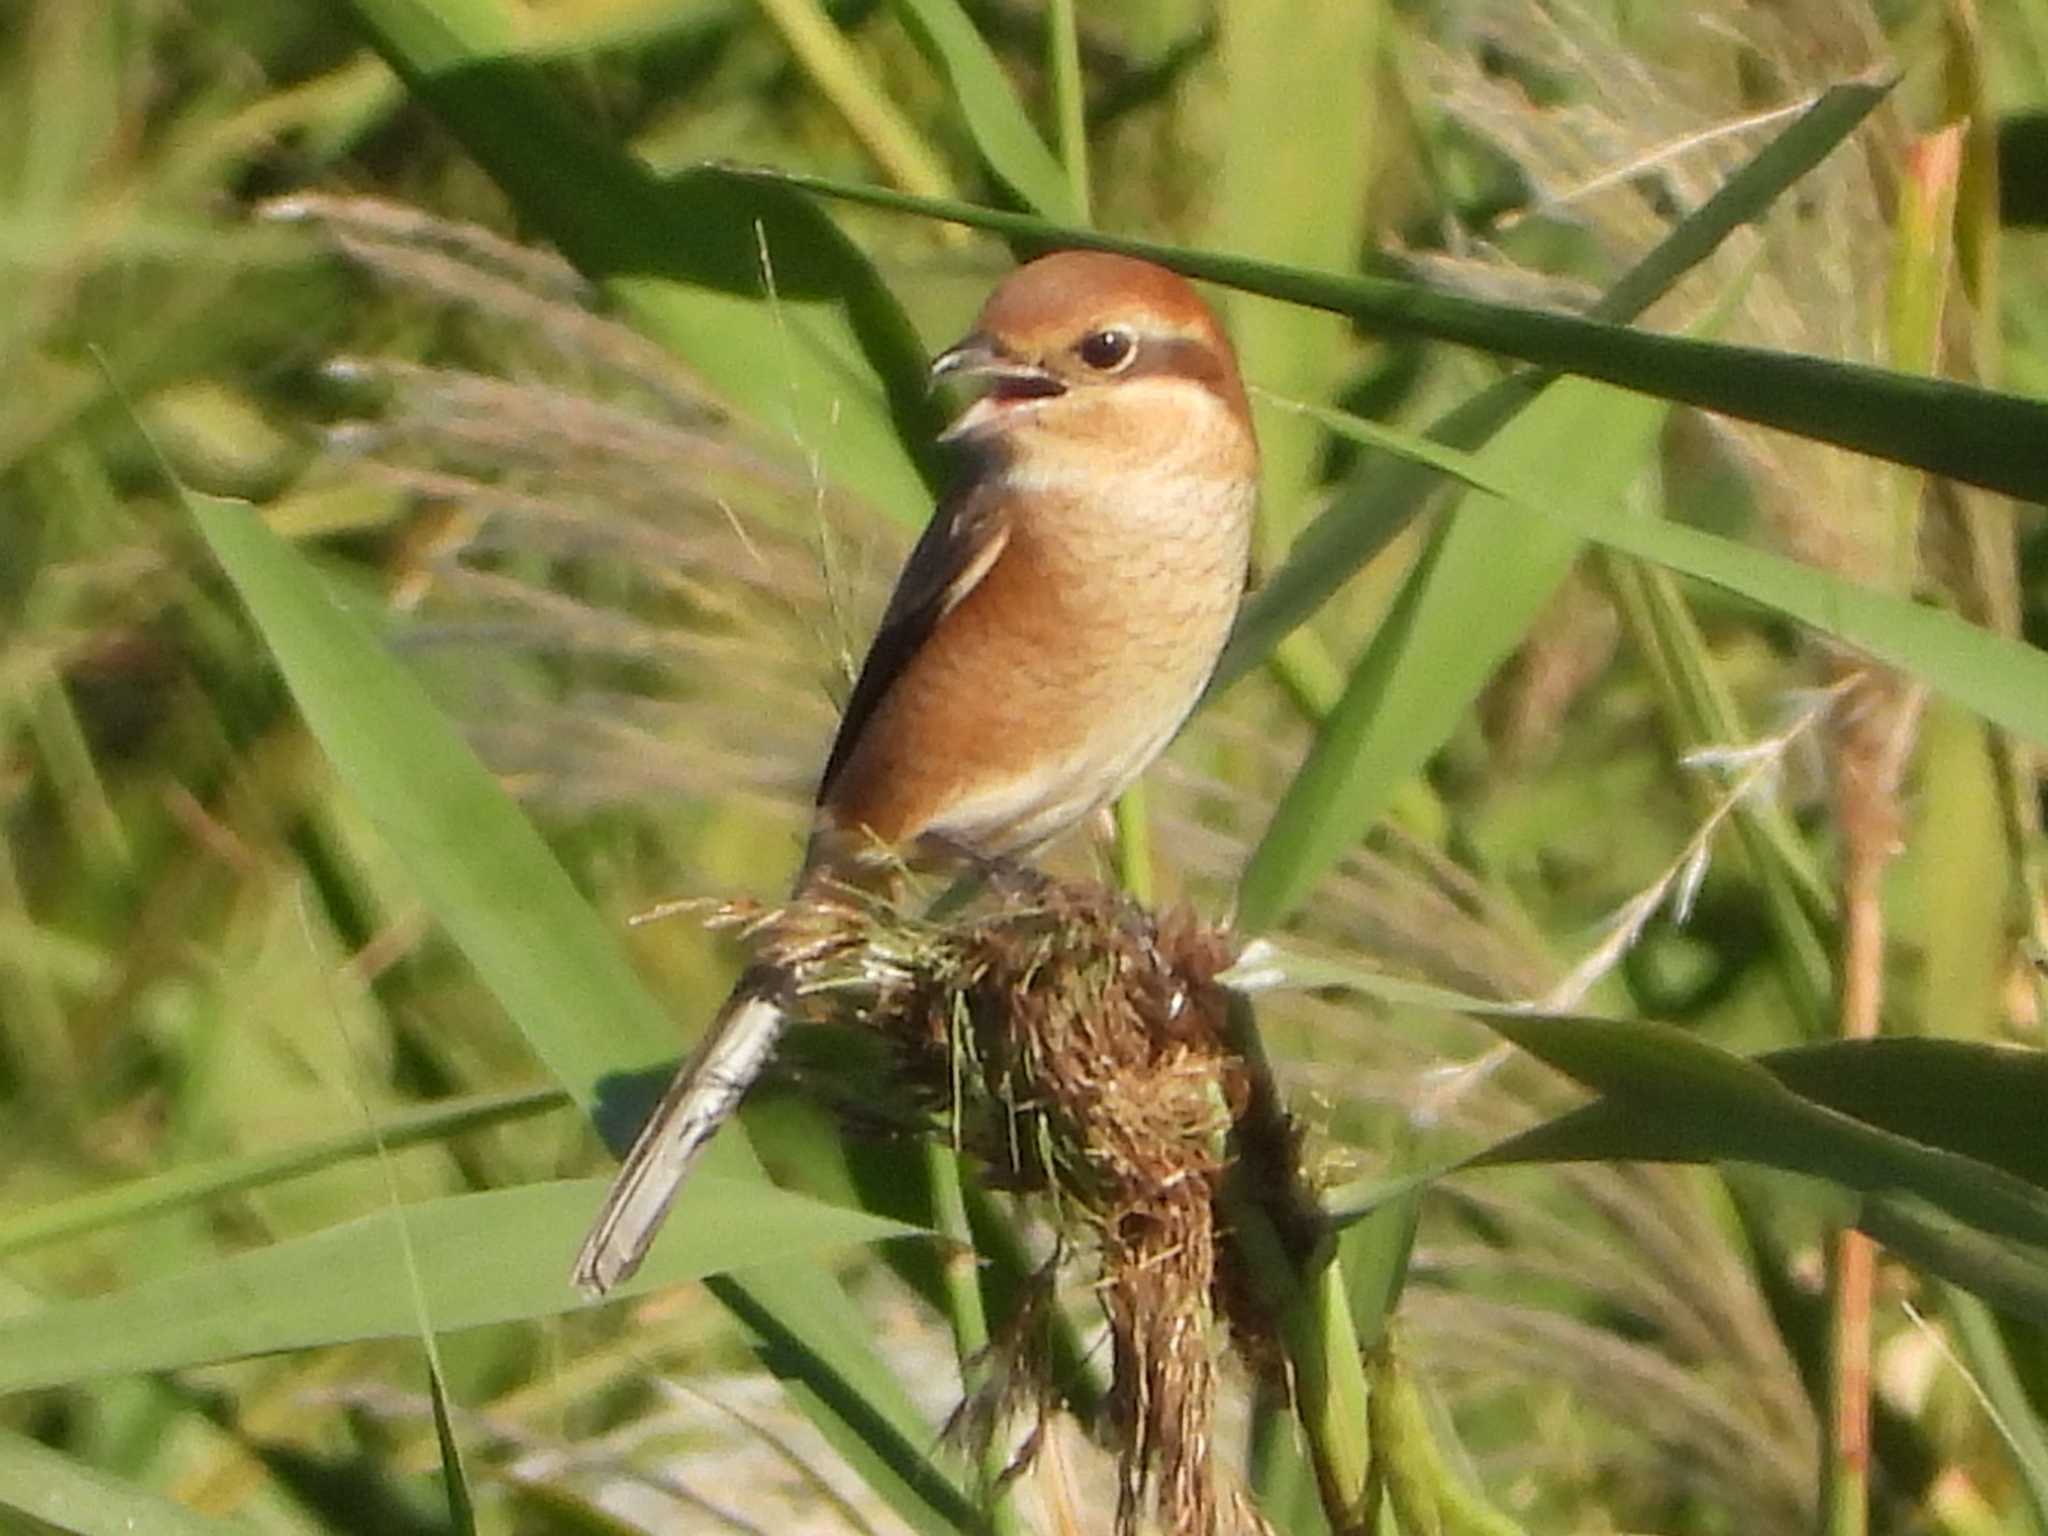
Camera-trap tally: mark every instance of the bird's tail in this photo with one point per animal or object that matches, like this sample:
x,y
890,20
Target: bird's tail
x,y
697,1103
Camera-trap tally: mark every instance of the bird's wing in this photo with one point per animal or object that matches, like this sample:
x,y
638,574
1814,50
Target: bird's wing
x,y
962,541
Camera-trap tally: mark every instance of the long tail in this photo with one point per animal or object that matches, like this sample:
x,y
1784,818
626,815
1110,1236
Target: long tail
x,y
697,1103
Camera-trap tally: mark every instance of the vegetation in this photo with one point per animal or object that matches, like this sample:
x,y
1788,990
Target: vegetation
x,y
453,450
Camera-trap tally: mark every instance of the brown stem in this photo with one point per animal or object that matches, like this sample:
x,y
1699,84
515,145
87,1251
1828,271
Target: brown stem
x,y
1873,743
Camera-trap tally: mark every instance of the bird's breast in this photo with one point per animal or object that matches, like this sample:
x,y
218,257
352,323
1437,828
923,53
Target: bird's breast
x,y
1068,667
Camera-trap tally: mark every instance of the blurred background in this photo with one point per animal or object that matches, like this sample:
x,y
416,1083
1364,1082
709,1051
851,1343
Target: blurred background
x,y
235,252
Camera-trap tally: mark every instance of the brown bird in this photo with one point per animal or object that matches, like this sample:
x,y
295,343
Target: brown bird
x,y
1051,631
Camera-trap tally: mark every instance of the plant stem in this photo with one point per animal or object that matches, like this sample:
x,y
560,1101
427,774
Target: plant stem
x,y
1301,1284
1134,845
1426,1496
960,1277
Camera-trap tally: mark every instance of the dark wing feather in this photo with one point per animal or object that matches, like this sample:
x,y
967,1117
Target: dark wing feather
x,y
959,544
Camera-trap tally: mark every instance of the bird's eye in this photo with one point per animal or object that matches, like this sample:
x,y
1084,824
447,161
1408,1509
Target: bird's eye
x,y
1107,350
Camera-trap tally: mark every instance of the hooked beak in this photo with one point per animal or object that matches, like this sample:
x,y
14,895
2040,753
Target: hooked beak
x,y
1011,380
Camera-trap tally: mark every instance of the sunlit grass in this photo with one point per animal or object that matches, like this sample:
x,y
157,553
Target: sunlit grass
x,y
627,532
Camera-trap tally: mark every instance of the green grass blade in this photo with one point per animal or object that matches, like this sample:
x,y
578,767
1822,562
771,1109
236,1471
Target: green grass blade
x,y
1983,437
995,118
1461,613
42,1484
1069,101
1993,1371
834,363
1743,197
478,863
477,1265
2008,1276
1282,1483
1299,1285
2005,681
486,875
1700,712
1302,83
841,76
1895,1091
1670,1096
801,1340
139,1199
461,1508
1980,1100
1960,854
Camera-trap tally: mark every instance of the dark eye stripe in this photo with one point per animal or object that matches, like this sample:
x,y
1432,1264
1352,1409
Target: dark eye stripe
x,y
1180,357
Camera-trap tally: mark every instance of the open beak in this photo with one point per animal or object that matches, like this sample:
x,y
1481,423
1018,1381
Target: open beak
x,y
1010,381
977,357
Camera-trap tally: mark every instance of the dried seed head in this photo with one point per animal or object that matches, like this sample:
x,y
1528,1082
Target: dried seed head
x,y
1076,1045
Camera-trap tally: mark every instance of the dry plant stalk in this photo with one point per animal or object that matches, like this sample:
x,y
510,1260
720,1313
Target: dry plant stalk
x,y
1077,1046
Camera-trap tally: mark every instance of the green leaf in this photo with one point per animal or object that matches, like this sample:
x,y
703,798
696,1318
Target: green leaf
x,y
1284,86
479,865
461,1507
839,73
813,1345
1673,1097
1700,712
1462,612
2010,1276
559,974
1984,1101
1069,101
995,118
476,1257
46,1485
2005,681
1959,864
1979,436
1988,1359
832,361
1670,1096
1384,494
177,1188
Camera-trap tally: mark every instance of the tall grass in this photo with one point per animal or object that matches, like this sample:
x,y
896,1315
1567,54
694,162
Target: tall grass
x,y
353,537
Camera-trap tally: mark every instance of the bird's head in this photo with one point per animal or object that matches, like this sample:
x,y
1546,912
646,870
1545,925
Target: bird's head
x,y
1089,350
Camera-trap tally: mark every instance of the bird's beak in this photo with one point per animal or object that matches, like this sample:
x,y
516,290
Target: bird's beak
x,y
971,355
1010,380
978,357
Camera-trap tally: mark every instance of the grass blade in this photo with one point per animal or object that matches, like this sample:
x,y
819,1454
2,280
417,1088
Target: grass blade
x,y
683,257
177,1188
802,1340
1384,494
1670,1096
1069,101
1306,82
1982,437
1701,713
2005,681
882,128
1461,612
1993,1373
476,1266
479,864
2012,1278
995,118
461,1508
43,1485
486,875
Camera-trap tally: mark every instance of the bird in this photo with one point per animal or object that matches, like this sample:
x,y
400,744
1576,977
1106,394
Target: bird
x,y
1054,626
